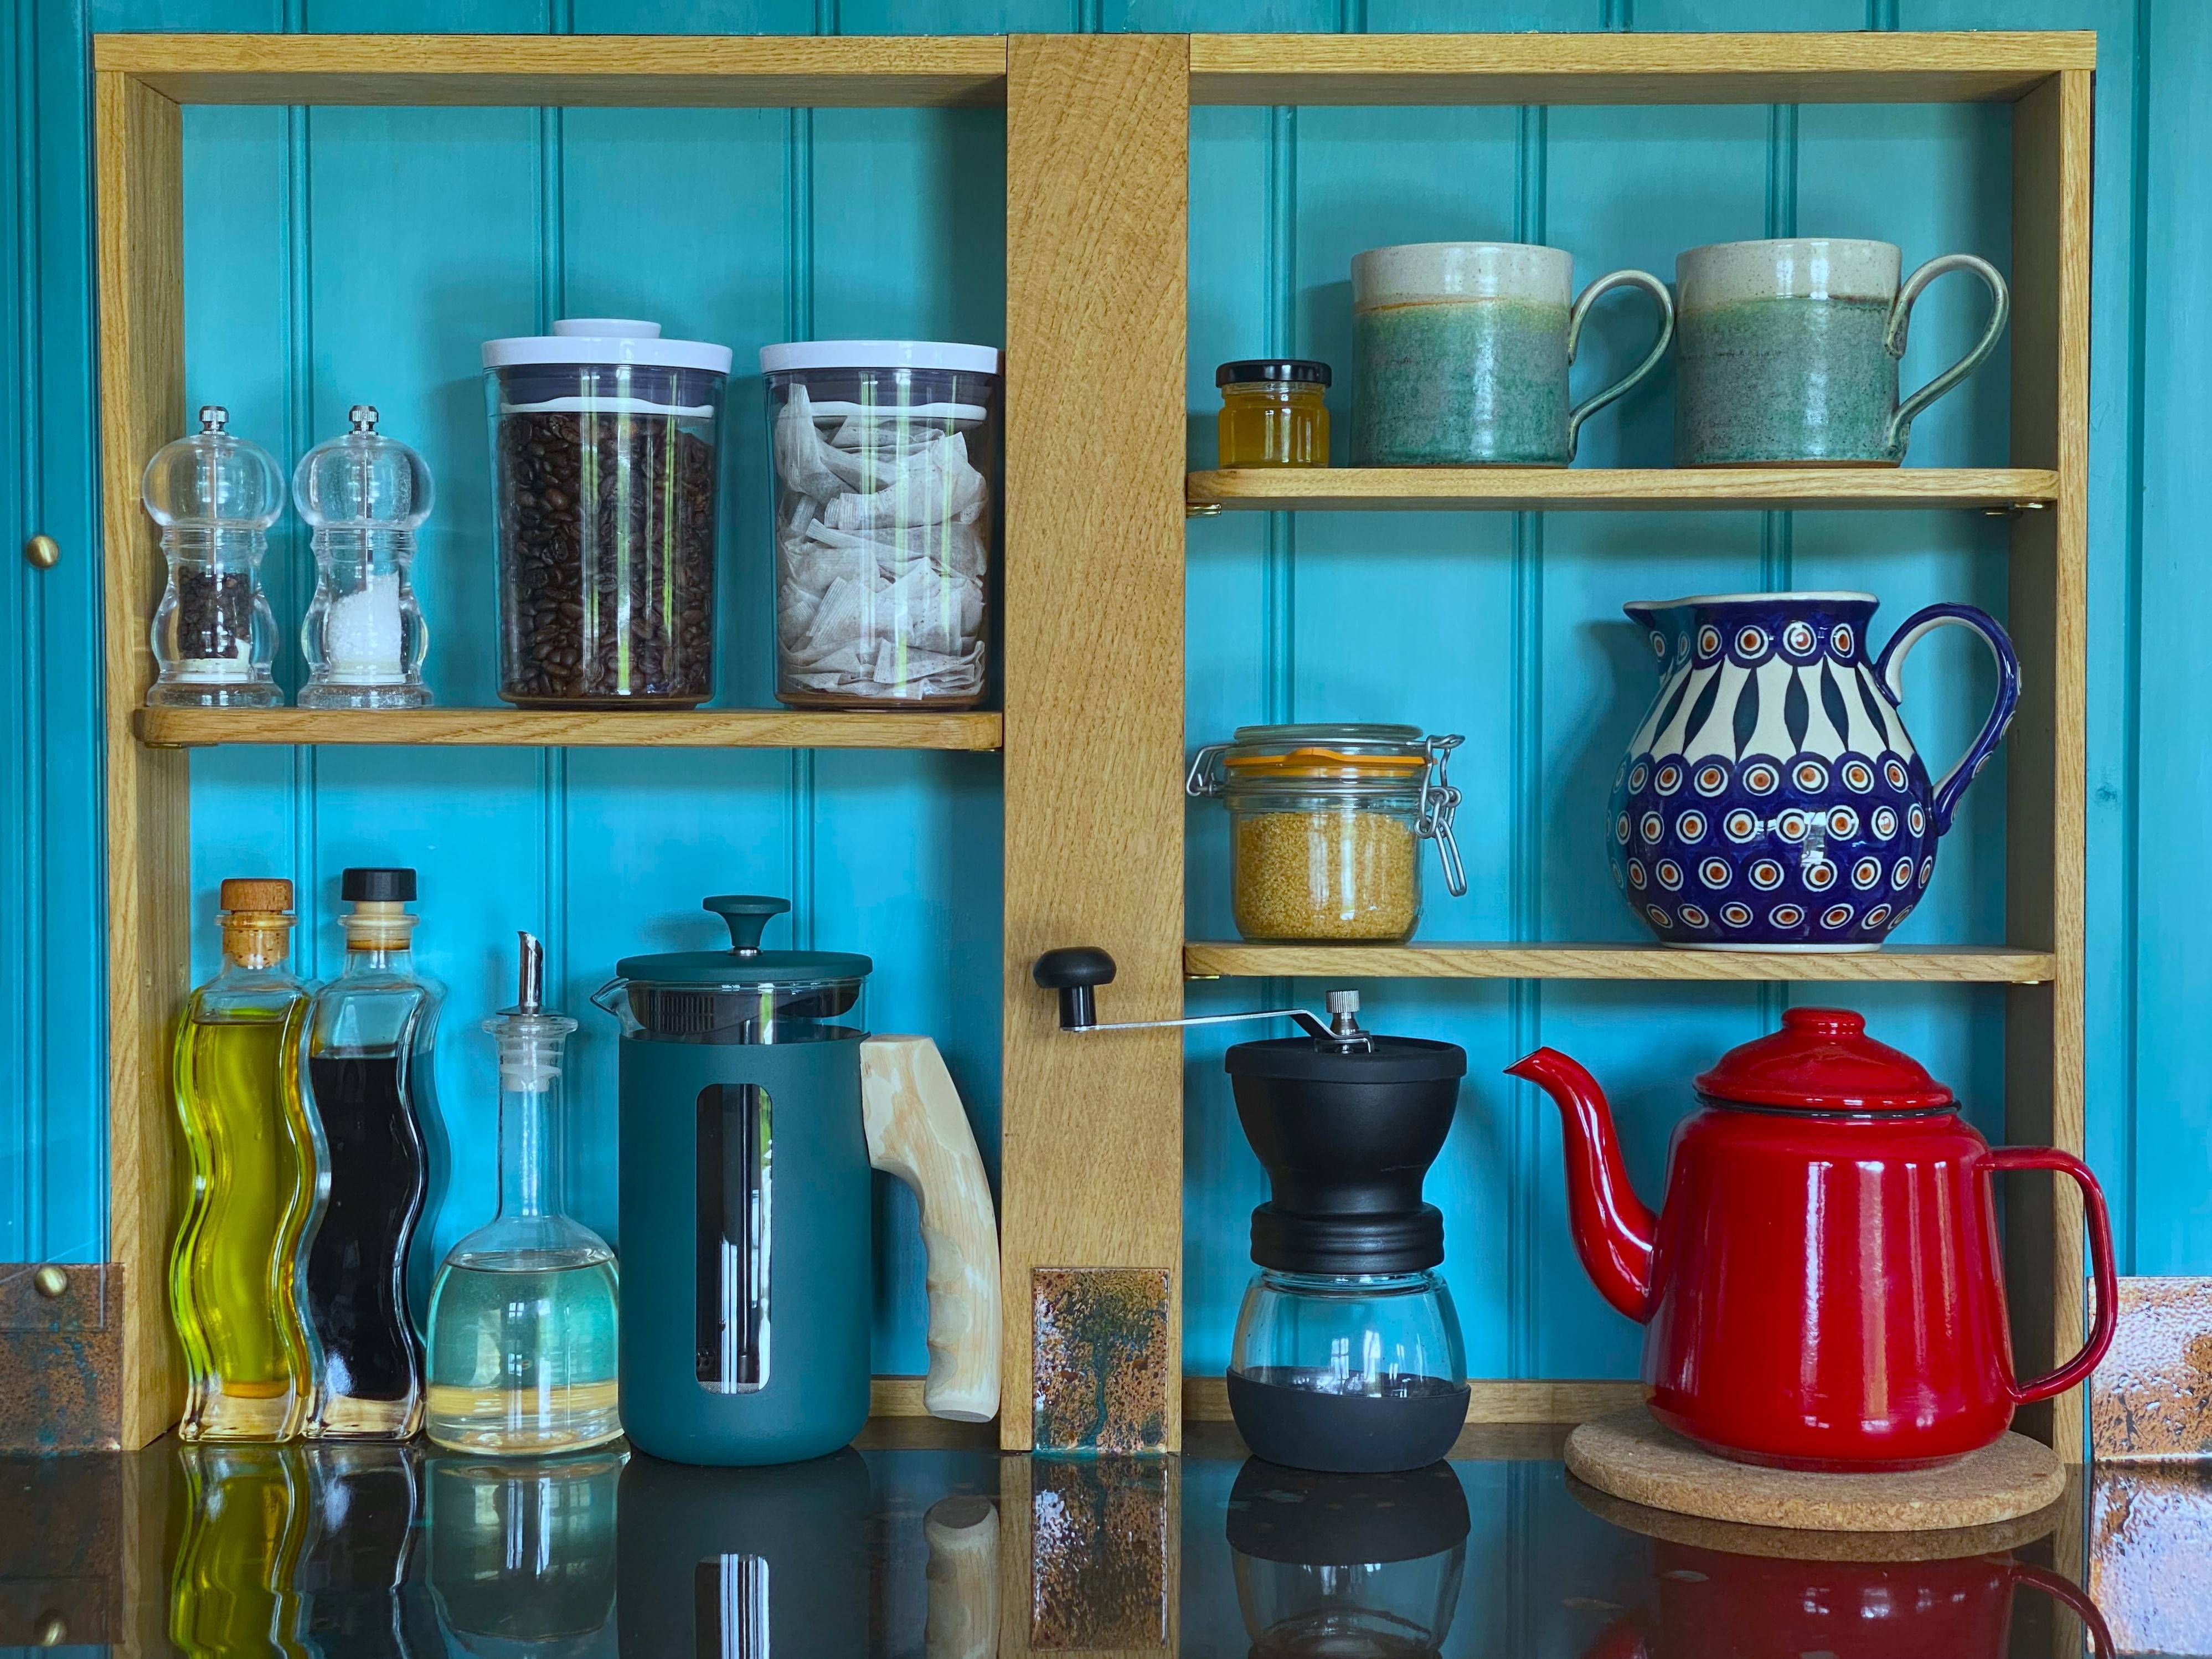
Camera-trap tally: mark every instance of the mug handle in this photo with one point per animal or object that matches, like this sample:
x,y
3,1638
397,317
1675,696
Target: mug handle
x,y
2001,1158
2070,1596
1891,669
1657,289
1900,316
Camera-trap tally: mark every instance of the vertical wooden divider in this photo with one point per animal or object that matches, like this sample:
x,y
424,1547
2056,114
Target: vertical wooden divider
x,y
138,159
1098,188
2046,764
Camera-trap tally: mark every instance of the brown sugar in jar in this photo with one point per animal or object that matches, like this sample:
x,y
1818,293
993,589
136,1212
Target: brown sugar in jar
x,y
1326,824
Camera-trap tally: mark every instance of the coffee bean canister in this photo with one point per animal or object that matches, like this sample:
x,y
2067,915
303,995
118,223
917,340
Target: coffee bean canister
x,y
606,443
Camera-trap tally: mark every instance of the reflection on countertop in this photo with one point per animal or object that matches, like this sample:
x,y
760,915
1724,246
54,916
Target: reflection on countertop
x,y
924,1541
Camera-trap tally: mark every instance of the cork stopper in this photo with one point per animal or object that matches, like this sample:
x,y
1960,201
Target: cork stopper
x,y
378,919
257,921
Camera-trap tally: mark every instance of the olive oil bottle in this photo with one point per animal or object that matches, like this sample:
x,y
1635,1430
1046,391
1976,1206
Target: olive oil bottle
x,y
254,1161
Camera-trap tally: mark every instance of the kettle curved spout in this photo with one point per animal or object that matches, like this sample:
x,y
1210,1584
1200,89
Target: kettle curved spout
x,y
1613,1232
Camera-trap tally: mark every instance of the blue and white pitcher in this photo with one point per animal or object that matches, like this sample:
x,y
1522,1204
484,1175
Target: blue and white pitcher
x,y
1770,799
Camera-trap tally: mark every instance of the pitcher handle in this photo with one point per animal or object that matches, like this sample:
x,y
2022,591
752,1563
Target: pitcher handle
x,y
1890,668
1657,289
1900,317
2070,1596
918,1131
2001,1158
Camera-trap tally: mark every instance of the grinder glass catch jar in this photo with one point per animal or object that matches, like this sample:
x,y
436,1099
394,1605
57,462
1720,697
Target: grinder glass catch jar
x,y
1347,1355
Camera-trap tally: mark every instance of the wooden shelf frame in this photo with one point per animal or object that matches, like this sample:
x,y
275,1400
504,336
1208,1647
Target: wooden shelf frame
x,y
548,728
2048,80
1097,181
1622,489
1986,964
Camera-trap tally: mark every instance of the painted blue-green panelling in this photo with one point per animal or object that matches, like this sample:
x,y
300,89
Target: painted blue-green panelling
x,y
336,256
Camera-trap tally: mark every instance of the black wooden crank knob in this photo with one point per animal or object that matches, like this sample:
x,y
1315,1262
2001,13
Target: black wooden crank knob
x,y
1073,971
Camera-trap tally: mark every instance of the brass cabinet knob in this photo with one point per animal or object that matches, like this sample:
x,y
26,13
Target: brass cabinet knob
x,y
43,551
50,1282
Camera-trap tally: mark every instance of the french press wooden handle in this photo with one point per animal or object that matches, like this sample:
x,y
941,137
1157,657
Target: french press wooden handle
x,y
918,1131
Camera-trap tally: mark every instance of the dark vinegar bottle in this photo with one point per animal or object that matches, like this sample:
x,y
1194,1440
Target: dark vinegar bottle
x,y
369,1035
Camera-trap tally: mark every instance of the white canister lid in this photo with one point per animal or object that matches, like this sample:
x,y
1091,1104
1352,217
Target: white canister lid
x,y
606,340
879,353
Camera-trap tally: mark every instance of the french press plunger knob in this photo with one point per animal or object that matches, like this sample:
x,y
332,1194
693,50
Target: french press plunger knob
x,y
1077,970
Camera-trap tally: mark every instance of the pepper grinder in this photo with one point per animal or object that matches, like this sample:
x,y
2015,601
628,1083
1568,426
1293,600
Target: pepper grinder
x,y
215,496
364,496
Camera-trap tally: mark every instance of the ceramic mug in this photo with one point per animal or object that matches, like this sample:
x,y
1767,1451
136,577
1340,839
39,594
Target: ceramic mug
x,y
1790,351
1460,352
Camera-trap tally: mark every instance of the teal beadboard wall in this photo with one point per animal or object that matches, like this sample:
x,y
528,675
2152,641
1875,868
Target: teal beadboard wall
x,y
336,256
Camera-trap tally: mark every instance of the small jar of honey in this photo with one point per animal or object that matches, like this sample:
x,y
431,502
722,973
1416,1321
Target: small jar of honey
x,y
1272,412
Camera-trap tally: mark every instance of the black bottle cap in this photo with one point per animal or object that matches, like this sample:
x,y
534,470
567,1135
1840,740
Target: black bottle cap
x,y
1306,1518
377,885
1247,371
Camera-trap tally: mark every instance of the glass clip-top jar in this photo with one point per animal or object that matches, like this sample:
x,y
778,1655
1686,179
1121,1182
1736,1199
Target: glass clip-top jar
x,y
1272,413
1325,825
607,455
364,496
215,496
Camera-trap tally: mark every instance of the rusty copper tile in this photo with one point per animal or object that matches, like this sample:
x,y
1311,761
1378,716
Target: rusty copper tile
x,y
2150,1558
1103,1548
1102,1369
61,1358
2152,1398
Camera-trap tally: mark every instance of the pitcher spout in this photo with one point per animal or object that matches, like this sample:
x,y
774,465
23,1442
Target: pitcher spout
x,y
1613,1232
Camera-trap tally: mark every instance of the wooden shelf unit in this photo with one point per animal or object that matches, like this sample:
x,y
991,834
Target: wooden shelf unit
x,y
1624,489
1098,164
549,728
1986,964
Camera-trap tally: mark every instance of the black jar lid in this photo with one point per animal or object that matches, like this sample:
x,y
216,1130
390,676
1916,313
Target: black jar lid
x,y
1392,1060
1246,371
1306,1518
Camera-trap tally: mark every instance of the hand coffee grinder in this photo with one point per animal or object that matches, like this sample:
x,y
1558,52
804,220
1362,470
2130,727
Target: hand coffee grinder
x,y
1347,1355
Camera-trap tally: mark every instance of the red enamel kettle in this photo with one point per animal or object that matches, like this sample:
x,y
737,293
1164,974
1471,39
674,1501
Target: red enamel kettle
x,y
1823,1288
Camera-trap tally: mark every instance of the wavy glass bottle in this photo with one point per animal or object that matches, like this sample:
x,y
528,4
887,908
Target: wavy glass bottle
x,y
233,1589
369,1033
364,496
254,1157
522,1317
215,496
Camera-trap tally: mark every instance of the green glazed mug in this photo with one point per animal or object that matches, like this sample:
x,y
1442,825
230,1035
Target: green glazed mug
x,y
1460,353
1790,351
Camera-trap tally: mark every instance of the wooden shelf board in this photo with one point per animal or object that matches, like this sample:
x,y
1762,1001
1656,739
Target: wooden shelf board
x,y
1490,1400
702,72
1538,489
705,728
1809,68
1949,964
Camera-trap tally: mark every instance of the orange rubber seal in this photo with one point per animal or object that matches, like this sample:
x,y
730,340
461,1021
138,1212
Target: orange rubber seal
x,y
1326,763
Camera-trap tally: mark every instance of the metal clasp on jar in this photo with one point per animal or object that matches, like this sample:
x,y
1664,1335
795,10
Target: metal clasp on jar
x,y
1204,780
1439,803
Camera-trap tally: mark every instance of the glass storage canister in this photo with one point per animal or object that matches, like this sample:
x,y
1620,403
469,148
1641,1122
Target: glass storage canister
x,y
1272,412
606,443
215,496
885,458
363,496
1325,827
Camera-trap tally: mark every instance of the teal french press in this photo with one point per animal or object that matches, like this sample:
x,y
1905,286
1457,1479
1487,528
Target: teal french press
x,y
754,1103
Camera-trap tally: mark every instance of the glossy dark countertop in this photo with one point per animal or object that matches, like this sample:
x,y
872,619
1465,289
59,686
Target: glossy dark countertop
x,y
924,1540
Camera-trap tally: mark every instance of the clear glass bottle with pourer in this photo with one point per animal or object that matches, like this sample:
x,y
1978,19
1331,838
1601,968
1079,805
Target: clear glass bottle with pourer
x,y
522,1317
215,496
364,496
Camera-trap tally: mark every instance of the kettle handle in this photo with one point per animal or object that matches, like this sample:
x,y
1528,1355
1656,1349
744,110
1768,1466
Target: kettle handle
x,y
918,1131
1890,669
2071,1596
2075,1370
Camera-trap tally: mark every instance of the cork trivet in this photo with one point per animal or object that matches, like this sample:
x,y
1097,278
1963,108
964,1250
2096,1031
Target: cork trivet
x,y
1787,1544
1630,1455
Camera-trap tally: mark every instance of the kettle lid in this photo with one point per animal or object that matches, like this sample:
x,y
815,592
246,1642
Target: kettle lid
x,y
744,962
1822,1060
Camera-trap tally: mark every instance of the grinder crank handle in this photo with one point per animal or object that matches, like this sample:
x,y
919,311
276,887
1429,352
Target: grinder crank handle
x,y
1077,970
918,1131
